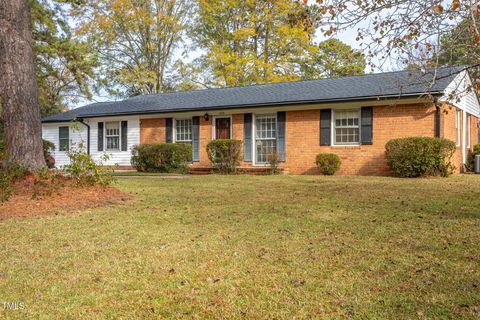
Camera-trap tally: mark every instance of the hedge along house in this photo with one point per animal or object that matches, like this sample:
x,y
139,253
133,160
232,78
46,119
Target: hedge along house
x,y
353,117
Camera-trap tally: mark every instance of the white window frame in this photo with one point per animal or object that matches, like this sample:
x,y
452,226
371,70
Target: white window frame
x,y
254,136
214,124
59,139
119,136
175,140
333,127
458,135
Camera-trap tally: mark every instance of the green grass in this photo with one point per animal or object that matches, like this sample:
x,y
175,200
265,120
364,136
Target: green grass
x,y
141,174
254,247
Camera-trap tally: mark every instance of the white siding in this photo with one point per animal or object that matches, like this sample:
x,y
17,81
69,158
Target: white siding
x,y
461,94
50,132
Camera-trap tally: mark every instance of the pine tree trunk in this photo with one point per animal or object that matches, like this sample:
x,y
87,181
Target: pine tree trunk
x,y
18,86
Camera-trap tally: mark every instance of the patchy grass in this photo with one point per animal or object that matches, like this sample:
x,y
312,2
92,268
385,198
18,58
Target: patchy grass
x,y
254,247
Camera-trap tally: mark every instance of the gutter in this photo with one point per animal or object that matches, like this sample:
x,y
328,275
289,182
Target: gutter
x,y
82,121
267,104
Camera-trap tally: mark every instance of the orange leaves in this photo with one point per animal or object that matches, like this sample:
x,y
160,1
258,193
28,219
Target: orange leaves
x,y
327,9
438,9
455,5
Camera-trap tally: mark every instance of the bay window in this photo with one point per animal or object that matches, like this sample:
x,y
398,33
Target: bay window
x,y
265,137
346,127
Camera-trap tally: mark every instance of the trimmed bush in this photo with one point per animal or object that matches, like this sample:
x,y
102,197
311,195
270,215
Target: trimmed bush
x,y
162,157
225,154
420,156
328,163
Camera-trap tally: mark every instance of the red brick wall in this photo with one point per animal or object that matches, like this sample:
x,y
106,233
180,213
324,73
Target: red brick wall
x,y
205,138
474,128
152,130
303,137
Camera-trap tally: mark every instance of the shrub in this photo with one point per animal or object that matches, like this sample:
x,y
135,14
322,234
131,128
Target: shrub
x,y
84,170
328,163
48,147
166,157
471,160
420,156
224,154
273,160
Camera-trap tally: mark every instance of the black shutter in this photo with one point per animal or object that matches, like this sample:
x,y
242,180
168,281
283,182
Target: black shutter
x,y
169,130
281,119
367,125
124,135
196,138
325,127
100,136
247,137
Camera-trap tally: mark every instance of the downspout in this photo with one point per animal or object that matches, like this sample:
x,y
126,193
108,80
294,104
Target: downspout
x,y
437,118
464,139
88,133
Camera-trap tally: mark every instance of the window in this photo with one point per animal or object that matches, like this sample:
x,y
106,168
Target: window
x,y
112,134
63,138
468,131
457,126
265,137
347,127
183,130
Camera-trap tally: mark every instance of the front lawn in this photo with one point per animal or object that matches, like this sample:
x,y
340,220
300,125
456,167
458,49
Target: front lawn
x,y
254,247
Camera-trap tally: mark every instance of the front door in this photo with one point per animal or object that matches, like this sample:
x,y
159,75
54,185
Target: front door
x,y
222,128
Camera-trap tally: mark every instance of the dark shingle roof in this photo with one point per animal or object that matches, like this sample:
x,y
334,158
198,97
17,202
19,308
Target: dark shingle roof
x,y
383,85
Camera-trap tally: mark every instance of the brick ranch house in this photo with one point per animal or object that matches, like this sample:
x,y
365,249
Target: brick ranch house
x,y
353,117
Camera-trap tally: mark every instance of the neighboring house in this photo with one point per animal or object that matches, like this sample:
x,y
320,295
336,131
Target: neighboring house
x,y
353,117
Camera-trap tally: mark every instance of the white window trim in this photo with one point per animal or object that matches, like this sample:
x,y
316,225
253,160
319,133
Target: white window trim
x,y
69,140
174,138
458,135
333,142
119,137
254,137
214,131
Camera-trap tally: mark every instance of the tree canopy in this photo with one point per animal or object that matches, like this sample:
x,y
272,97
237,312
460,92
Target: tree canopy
x,y
250,41
64,64
335,59
135,40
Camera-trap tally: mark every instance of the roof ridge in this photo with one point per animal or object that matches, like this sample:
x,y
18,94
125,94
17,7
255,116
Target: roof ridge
x,y
284,82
